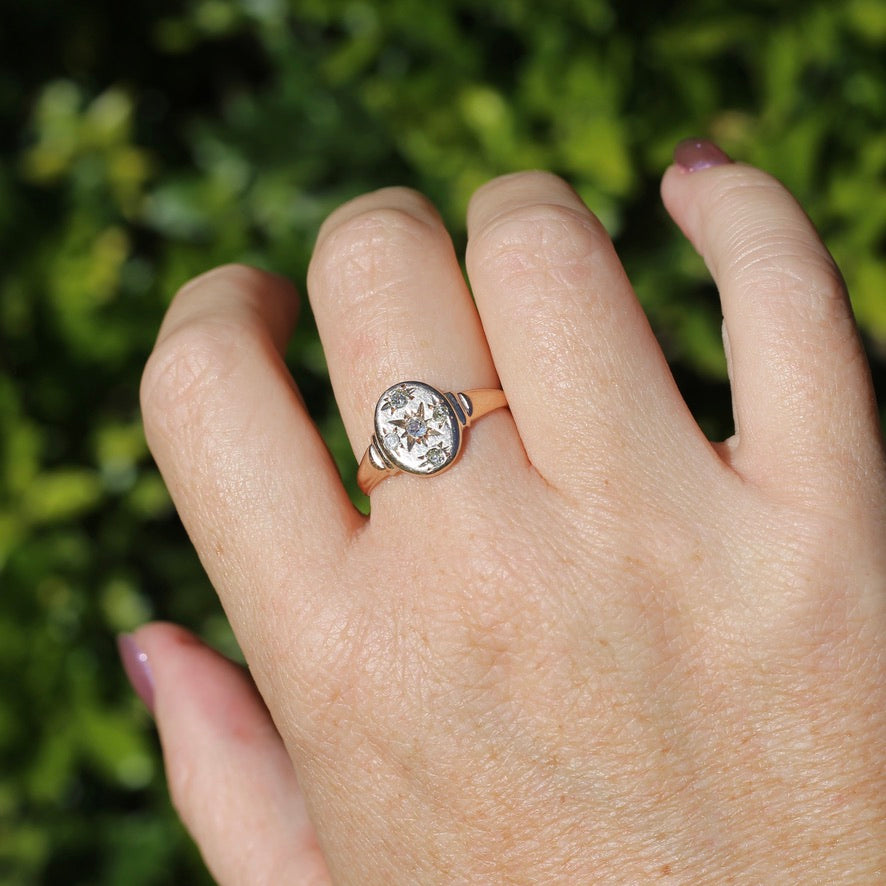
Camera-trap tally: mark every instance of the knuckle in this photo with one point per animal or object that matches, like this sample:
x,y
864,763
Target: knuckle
x,y
533,181
243,278
360,251
793,268
185,372
544,242
774,249
393,200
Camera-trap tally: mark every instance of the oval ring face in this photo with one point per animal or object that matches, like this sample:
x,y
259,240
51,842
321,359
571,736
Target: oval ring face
x,y
417,429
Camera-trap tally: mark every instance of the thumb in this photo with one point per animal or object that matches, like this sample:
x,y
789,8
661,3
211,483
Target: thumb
x,y
229,775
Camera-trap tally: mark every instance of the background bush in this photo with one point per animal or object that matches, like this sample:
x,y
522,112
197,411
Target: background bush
x,y
143,142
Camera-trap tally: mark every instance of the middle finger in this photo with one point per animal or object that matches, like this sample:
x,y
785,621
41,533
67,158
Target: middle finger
x,y
570,339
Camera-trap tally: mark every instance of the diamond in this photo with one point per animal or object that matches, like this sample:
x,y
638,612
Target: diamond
x,y
391,440
415,427
398,399
436,456
440,413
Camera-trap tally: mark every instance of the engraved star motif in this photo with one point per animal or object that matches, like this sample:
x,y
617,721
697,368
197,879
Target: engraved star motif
x,y
416,427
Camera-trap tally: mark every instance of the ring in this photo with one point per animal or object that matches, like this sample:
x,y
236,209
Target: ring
x,y
418,430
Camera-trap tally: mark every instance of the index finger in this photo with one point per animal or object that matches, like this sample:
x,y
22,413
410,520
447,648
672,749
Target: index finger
x,y
250,476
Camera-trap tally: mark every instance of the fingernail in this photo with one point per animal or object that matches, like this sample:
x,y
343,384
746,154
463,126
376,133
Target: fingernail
x,y
693,154
135,663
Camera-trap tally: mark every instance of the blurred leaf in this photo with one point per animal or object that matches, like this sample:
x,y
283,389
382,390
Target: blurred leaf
x,y
61,494
146,142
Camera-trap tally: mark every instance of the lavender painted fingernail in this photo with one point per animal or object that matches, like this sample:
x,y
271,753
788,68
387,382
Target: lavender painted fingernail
x,y
135,663
693,154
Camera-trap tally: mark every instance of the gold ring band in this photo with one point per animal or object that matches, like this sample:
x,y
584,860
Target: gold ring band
x,y
419,430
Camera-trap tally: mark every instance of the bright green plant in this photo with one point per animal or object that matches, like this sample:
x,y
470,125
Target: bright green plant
x,y
144,144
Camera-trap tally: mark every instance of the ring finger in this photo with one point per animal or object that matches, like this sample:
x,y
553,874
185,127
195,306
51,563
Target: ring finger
x,y
392,305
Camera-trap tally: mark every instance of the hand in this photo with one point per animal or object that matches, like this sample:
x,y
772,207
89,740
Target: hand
x,y
600,649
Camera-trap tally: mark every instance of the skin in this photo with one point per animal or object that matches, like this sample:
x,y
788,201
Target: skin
x,y
600,649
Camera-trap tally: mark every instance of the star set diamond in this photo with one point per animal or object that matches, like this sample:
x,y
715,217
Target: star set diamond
x,y
417,428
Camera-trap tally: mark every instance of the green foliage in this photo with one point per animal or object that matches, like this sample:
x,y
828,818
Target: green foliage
x,y
143,143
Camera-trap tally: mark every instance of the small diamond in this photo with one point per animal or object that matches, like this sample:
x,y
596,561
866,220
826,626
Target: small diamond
x,y
398,399
416,428
391,440
436,456
440,413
